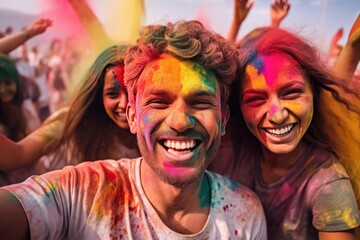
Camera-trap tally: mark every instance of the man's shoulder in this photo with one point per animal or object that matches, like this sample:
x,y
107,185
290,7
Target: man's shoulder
x,y
123,163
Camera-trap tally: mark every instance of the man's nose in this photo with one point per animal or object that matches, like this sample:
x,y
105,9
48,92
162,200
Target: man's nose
x,y
180,118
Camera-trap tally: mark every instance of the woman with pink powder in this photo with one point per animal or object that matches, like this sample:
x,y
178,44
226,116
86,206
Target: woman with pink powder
x,y
285,142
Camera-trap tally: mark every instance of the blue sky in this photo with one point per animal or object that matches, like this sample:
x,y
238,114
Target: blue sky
x,y
315,19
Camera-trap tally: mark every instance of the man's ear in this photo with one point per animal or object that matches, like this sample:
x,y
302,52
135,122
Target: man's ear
x,y
131,118
225,115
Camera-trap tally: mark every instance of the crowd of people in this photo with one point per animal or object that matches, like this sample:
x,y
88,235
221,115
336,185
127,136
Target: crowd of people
x,y
184,135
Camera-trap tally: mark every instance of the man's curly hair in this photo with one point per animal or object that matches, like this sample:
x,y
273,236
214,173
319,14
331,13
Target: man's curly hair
x,y
185,40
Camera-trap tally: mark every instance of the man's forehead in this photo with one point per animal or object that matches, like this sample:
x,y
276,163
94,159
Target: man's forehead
x,y
168,70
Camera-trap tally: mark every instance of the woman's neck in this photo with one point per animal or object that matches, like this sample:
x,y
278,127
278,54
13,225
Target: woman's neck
x,y
274,166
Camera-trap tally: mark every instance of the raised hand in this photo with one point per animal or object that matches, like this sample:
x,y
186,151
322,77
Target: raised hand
x,y
349,56
38,27
278,11
240,11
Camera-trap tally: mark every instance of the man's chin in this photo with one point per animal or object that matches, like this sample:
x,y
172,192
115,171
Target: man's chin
x,y
180,181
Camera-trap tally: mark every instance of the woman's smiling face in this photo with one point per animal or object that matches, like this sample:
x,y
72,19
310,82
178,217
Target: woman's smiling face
x,y
276,102
115,96
7,90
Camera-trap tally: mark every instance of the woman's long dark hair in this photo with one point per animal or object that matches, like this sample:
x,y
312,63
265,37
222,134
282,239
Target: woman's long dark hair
x,y
328,91
89,133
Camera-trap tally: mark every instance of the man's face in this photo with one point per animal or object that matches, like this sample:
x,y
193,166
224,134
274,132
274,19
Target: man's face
x,y
177,117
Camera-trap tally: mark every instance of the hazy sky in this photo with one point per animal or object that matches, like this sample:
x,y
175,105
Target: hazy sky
x,y
316,19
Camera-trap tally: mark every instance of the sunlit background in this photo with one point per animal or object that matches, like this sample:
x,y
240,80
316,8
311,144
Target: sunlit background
x,y
317,19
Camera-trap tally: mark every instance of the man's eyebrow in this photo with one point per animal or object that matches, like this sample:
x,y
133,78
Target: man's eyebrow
x,y
156,92
203,93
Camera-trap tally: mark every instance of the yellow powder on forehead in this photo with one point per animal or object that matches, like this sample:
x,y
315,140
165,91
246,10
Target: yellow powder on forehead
x,y
192,76
165,71
172,72
255,80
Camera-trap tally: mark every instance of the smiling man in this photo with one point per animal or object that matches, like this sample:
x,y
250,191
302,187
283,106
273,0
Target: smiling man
x,y
177,77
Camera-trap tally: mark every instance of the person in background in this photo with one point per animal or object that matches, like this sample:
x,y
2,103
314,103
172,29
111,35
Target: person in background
x,y
57,77
349,56
17,115
12,41
92,127
38,62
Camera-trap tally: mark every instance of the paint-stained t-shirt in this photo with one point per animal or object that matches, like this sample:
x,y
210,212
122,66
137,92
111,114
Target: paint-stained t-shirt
x,y
315,195
105,200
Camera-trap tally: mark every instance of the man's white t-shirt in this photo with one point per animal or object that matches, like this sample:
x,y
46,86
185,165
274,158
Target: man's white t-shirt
x,y
105,200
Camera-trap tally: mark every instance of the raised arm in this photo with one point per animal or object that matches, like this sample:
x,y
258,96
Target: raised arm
x,y
14,223
349,57
279,9
241,10
11,42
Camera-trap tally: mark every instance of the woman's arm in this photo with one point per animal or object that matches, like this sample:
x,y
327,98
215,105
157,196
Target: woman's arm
x,y
11,42
278,11
349,57
241,10
15,155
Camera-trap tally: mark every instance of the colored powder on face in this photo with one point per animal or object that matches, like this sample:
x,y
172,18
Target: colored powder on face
x,y
147,119
116,85
118,73
165,73
273,110
271,75
170,71
256,80
259,65
193,74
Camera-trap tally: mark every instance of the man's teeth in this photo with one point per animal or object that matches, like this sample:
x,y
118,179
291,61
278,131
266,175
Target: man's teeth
x,y
179,145
178,153
280,131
